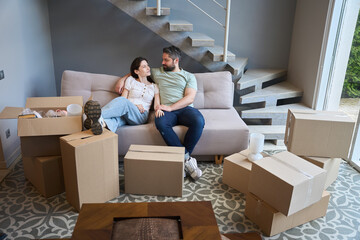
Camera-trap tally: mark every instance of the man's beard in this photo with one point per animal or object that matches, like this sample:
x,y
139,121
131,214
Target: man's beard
x,y
168,68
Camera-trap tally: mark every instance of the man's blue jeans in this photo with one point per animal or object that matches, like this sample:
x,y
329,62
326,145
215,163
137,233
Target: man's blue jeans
x,y
189,117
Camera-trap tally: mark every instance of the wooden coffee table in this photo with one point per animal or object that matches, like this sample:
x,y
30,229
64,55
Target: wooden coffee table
x,y
96,220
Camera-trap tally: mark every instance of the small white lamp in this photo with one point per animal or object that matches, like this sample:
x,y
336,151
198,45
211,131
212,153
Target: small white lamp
x,y
256,146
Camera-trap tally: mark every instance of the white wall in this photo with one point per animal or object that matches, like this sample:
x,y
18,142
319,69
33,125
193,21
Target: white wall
x,y
26,58
307,46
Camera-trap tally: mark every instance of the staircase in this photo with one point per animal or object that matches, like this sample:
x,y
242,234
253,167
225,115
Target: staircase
x,y
265,87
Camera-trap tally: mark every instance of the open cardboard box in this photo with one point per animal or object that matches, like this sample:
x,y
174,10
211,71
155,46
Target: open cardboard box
x,y
319,133
45,126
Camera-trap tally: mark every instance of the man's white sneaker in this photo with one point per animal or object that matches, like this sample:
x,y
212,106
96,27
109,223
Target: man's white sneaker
x,y
192,169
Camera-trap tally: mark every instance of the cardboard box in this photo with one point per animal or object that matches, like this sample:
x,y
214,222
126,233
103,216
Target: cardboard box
x,y
39,146
272,222
236,170
154,170
91,168
45,126
287,182
45,173
319,133
331,165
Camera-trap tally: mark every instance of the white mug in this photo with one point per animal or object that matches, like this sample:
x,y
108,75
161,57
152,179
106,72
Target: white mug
x,y
74,110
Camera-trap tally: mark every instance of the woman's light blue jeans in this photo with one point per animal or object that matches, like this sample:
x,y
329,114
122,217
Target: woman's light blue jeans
x,y
120,111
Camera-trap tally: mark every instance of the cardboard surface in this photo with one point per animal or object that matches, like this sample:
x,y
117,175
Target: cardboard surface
x,y
236,170
45,173
91,168
154,170
46,126
287,182
39,146
272,222
319,133
331,165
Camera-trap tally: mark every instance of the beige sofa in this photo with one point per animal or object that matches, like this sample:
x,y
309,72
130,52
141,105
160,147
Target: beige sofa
x,y
224,133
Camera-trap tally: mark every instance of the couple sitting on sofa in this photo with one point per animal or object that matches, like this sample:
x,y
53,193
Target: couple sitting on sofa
x,y
177,93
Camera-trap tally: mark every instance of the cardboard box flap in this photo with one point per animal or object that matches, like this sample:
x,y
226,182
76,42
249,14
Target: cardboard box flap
x,y
53,102
155,156
85,137
11,112
323,116
155,149
286,166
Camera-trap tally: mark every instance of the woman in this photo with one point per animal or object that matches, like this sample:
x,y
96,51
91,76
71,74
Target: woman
x,y
132,108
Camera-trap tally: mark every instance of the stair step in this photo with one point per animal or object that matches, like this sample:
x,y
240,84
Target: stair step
x,y
256,77
237,67
151,11
277,114
217,54
271,132
180,26
201,40
271,94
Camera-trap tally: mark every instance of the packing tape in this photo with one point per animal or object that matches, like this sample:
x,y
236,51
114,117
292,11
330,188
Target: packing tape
x,y
308,175
142,151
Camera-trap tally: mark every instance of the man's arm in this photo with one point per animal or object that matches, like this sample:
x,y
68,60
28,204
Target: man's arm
x,y
188,99
119,87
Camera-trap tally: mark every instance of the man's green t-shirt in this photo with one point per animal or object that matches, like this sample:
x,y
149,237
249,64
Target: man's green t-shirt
x,y
172,85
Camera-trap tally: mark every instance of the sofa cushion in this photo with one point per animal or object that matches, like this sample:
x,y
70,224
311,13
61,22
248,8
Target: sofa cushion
x,y
224,133
100,86
215,90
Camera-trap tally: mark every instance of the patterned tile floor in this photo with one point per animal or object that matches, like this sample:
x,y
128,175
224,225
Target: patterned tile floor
x,y
24,214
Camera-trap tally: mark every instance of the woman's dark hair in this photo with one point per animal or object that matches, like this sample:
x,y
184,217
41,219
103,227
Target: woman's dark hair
x,y
135,66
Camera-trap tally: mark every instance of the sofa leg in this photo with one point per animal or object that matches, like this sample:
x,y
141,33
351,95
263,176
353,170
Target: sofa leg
x,y
219,159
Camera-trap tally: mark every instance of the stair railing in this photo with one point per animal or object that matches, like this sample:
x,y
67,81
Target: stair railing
x,y
226,26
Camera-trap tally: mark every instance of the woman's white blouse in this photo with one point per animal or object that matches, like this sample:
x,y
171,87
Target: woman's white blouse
x,y
141,93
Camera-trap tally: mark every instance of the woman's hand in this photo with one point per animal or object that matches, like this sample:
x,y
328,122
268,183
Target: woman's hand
x,y
159,113
141,108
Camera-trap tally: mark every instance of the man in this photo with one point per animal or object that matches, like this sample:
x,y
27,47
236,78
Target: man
x,y
177,93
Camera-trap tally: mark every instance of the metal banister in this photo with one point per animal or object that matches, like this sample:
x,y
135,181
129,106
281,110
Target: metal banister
x,y
226,26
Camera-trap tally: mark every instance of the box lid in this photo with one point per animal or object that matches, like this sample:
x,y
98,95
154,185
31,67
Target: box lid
x,y
155,153
334,116
289,167
11,112
53,102
86,137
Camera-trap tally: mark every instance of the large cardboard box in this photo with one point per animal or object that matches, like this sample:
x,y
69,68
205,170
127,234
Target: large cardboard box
x,y
331,165
154,170
91,168
319,133
45,173
236,170
46,126
287,182
272,222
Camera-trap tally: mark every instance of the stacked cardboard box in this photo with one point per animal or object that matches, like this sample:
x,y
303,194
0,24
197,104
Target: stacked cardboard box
x,y
286,190
236,170
40,144
321,137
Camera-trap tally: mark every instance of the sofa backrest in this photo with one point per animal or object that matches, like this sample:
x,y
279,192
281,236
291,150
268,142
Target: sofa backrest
x,y
215,89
